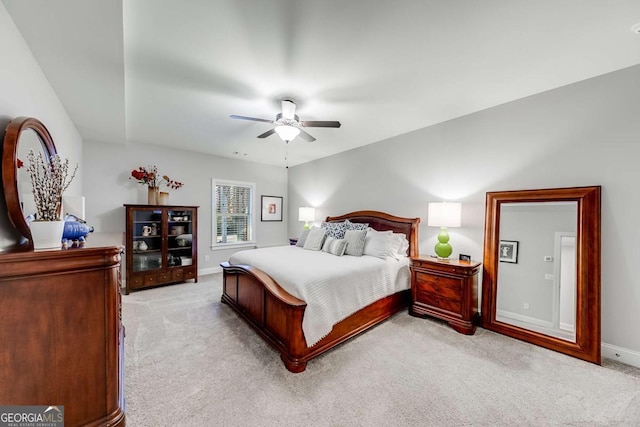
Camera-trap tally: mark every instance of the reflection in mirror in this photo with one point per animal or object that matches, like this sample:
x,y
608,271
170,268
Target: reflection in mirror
x,y
15,180
29,140
541,279
537,292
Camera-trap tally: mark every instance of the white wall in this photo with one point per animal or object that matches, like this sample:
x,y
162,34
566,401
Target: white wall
x,y
108,187
587,133
26,92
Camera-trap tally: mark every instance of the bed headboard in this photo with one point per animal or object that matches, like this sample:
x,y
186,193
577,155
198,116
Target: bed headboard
x,y
382,222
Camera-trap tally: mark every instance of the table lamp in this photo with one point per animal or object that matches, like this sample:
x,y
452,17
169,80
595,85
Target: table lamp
x,y
443,215
306,214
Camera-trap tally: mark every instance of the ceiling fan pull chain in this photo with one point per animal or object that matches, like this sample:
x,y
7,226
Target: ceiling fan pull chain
x,y
286,155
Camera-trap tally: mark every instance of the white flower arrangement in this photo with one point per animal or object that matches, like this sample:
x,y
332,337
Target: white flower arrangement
x,y
49,181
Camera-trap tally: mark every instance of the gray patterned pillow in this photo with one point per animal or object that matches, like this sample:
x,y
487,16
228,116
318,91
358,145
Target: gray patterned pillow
x,y
356,225
335,229
355,242
334,246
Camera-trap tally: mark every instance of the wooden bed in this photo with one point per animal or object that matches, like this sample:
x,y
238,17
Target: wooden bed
x,y
277,315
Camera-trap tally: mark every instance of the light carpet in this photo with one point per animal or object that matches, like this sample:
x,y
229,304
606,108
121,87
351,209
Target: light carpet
x,y
191,361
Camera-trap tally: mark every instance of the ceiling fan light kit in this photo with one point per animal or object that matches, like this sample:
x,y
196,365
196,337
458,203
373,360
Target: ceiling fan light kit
x,y
288,124
287,133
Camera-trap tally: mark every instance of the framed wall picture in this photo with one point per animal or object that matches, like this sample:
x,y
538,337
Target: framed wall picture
x,y
271,208
509,251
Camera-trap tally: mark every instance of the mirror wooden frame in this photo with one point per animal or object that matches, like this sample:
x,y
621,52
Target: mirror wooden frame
x,y
10,171
588,339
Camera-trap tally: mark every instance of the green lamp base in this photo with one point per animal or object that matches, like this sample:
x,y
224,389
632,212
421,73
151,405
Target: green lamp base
x,y
306,226
443,248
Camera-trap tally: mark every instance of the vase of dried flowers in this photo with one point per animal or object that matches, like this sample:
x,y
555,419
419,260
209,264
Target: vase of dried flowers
x,y
49,179
149,176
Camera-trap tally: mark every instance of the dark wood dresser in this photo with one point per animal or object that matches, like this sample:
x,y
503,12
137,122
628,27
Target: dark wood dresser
x,y
446,289
61,334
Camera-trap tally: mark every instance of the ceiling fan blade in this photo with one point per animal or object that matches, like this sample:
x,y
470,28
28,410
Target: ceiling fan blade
x,y
304,135
320,124
253,119
267,133
288,109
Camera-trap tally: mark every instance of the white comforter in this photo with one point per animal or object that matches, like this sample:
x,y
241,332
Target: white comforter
x,y
333,287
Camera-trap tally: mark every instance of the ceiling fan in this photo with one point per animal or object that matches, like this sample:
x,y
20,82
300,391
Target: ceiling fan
x,y
288,124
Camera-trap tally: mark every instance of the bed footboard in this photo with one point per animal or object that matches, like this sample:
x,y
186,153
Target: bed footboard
x,y
277,315
274,313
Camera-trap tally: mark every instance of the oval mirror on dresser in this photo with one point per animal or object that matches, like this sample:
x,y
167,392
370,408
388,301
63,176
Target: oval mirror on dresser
x,y
21,135
541,280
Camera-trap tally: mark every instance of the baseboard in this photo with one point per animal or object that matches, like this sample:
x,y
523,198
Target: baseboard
x,y
622,355
211,270
523,318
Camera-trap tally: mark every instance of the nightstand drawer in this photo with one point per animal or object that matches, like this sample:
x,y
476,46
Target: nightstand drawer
x,y
453,306
445,289
443,286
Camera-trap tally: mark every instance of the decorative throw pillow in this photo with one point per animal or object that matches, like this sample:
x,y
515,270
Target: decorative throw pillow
x,y
335,229
315,238
355,242
378,243
303,238
356,225
334,246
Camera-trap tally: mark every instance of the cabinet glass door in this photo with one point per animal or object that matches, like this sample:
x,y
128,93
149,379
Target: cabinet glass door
x,y
147,239
180,237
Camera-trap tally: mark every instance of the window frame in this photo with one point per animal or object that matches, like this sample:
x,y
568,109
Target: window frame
x,y
215,182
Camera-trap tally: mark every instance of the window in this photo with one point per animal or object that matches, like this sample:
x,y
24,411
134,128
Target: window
x,y
233,208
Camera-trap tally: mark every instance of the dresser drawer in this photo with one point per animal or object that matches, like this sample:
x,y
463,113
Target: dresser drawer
x,y
150,279
451,305
443,286
136,281
177,275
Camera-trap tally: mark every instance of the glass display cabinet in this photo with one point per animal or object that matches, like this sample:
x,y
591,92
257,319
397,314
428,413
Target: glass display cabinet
x,y
161,245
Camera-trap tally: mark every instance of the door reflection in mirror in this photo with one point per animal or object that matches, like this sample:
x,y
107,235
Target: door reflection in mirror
x,y
539,291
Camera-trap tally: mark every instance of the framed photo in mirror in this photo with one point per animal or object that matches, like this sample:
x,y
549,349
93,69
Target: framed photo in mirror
x,y
508,251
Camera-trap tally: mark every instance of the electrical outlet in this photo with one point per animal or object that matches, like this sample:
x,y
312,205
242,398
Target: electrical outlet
x,y
525,306
206,258
548,276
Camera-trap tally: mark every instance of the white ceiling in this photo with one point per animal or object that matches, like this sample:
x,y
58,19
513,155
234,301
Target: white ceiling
x,y
171,72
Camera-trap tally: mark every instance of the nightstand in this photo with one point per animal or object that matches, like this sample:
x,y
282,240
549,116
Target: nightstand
x,y
446,289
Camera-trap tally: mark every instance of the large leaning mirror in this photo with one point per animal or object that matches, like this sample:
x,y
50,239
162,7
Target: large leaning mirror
x,y
541,281
21,135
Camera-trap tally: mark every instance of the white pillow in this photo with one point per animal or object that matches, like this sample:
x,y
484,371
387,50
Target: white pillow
x,y
303,238
377,243
399,245
355,242
315,238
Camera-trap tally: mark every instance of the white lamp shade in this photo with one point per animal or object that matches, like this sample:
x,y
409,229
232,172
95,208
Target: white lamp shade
x,y
444,214
306,214
286,132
